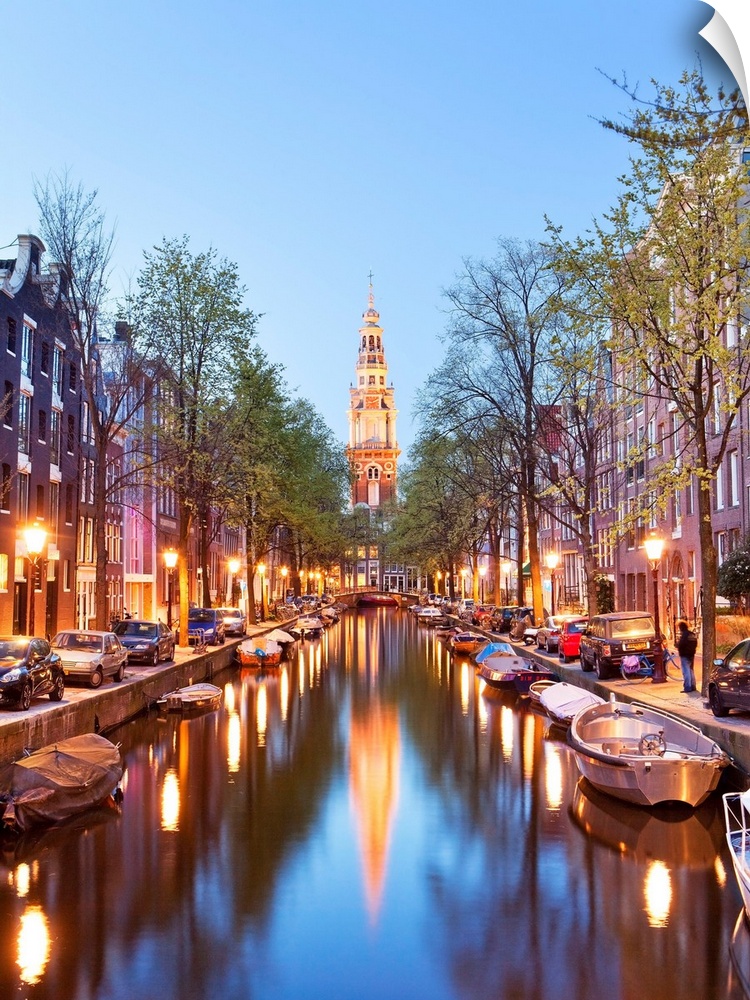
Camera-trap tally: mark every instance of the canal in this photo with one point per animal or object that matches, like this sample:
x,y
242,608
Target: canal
x,y
368,823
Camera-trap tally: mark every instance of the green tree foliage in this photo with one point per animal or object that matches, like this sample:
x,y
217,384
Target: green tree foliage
x,y
733,580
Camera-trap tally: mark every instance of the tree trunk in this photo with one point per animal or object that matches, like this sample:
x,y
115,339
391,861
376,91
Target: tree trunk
x,y
100,537
709,574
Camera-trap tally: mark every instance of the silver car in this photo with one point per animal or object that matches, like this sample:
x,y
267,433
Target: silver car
x,y
90,656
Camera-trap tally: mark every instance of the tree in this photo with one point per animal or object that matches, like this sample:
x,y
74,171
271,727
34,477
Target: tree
x,y
668,265
733,580
191,307
116,367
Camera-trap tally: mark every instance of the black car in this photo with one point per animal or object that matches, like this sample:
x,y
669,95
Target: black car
x,y
29,668
610,637
729,681
146,642
501,618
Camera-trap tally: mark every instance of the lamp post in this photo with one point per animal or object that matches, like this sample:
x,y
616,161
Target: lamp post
x,y
482,574
284,573
234,568
505,569
464,571
438,575
552,559
654,546
262,571
317,583
170,561
35,538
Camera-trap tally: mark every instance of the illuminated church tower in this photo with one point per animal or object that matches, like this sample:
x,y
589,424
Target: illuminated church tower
x,y
372,449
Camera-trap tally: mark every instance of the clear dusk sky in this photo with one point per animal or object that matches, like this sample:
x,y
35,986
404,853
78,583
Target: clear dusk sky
x,y
313,142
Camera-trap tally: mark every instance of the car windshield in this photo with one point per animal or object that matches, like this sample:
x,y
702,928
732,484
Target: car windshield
x,y
84,641
201,615
632,626
143,630
574,627
13,649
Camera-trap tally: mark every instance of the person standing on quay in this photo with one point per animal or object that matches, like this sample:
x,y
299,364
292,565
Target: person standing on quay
x,y
687,644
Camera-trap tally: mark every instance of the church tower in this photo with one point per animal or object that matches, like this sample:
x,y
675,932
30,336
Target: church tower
x,y
372,449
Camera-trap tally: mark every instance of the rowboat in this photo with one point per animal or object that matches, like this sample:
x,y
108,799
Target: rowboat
x,y
500,670
643,755
466,642
737,818
193,698
537,686
59,781
260,651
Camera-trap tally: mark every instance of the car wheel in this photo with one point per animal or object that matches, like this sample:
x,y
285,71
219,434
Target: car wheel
x,y
562,657
25,702
120,672
717,705
58,689
171,653
602,669
585,665
155,657
96,678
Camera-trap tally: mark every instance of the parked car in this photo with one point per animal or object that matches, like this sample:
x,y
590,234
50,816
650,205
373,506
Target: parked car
x,y
466,608
569,641
501,618
608,638
234,621
729,680
28,668
146,642
206,624
521,629
482,615
548,633
90,655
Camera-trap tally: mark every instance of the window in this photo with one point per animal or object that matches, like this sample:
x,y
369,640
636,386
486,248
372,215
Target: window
x,y
5,483
44,359
27,350
66,575
3,573
720,488
24,423
11,336
57,369
42,421
55,437
23,496
72,378
71,440
8,402
69,504
734,480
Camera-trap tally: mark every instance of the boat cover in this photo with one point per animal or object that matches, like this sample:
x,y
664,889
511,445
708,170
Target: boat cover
x,y
562,700
494,647
59,780
279,635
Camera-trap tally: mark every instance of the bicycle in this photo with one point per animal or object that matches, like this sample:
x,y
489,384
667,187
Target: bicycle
x,y
637,668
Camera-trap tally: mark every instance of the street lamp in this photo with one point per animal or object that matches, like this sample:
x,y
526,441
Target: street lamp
x,y
317,584
302,581
284,573
262,571
35,538
482,574
505,569
552,559
464,571
654,546
438,575
234,568
170,561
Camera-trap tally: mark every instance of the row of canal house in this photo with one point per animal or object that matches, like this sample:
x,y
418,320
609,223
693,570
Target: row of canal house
x,y
642,430
47,463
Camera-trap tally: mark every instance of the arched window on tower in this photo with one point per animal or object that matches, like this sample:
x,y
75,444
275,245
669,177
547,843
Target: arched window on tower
x,y
364,343
372,343
373,472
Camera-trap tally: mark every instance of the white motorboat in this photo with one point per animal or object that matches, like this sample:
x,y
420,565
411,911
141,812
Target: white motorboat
x,y
643,755
561,701
201,697
737,817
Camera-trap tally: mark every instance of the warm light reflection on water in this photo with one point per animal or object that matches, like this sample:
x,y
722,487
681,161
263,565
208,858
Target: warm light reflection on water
x,y
234,743
284,692
553,777
22,880
464,687
528,746
261,710
657,891
507,727
33,945
170,801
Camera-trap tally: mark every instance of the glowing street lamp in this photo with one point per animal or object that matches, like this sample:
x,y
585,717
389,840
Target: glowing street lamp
x,y
284,574
482,574
464,572
438,577
234,567
654,546
35,538
505,568
170,561
552,559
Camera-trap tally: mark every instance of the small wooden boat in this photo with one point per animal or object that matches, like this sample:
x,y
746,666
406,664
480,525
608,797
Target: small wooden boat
x,y
561,701
260,651
499,670
643,755
285,639
533,674
494,647
193,698
737,818
536,687
59,781
466,642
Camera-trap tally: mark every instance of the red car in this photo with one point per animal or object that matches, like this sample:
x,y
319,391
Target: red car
x,y
569,641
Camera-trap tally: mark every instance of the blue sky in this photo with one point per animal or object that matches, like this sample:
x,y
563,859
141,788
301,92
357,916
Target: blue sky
x,y
313,142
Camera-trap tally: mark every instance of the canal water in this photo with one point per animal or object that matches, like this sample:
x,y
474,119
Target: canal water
x,y
368,822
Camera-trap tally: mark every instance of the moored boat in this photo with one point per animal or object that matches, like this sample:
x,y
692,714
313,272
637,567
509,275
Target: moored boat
x,y
537,686
193,698
561,701
643,755
737,819
499,670
466,642
307,627
377,601
532,674
59,781
260,651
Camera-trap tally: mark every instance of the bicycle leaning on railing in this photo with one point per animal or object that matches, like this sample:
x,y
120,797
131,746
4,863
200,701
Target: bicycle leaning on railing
x,y
638,667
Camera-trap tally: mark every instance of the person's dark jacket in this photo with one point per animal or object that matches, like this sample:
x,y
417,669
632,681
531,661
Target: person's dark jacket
x,y
687,644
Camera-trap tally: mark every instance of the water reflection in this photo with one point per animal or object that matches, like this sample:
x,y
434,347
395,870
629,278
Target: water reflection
x,y
366,822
